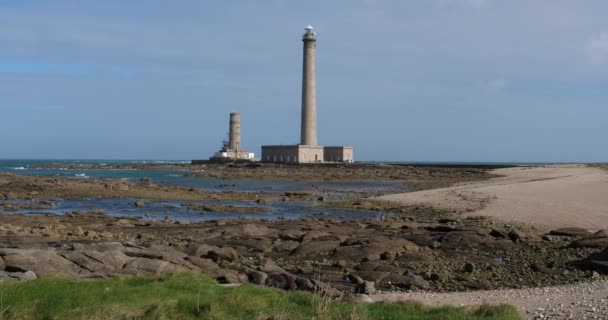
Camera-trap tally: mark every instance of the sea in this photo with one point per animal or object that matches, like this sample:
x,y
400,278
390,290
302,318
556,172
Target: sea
x,y
177,211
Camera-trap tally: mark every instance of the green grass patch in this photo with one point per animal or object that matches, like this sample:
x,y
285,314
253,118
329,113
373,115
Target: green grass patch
x,y
195,296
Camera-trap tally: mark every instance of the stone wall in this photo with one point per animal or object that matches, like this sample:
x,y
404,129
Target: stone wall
x,y
338,154
292,154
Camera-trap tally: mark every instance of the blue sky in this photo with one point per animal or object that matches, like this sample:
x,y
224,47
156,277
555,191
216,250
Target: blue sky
x,y
425,80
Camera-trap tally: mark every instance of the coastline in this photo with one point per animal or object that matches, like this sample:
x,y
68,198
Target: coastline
x,y
551,196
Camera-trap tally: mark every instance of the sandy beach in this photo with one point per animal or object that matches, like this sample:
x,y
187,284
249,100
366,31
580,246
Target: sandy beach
x,y
553,196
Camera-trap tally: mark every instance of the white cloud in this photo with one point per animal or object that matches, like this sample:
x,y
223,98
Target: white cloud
x,y
597,48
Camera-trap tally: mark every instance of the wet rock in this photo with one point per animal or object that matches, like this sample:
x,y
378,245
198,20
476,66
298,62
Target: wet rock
x,y
570,232
597,261
139,203
589,243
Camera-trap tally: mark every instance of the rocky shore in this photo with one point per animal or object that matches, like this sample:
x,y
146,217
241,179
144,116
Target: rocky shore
x,y
350,256
420,177
16,186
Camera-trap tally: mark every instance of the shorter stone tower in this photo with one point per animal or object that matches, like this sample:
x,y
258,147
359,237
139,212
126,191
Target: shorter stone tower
x,y
231,150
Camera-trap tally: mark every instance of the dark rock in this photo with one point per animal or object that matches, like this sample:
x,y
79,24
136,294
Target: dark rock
x,y
516,235
441,228
603,233
140,203
368,287
257,277
305,284
497,234
570,232
589,243
469,267
546,270
355,279
281,281
597,261
262,201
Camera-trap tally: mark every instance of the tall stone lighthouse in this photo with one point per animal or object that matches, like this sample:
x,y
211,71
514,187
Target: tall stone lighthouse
x,y
308,151
308,131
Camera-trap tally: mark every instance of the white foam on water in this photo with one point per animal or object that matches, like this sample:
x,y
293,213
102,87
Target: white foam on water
x,y
19,168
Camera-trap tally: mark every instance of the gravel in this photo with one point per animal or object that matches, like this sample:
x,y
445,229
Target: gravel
x,y
585,300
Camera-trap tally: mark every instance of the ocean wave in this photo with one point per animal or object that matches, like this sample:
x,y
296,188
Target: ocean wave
x,y
81,175
19,168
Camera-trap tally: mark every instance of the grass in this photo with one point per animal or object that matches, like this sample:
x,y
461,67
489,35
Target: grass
x,y
194,296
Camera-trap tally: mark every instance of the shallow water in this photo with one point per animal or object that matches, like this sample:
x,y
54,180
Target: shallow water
x,y
175,210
